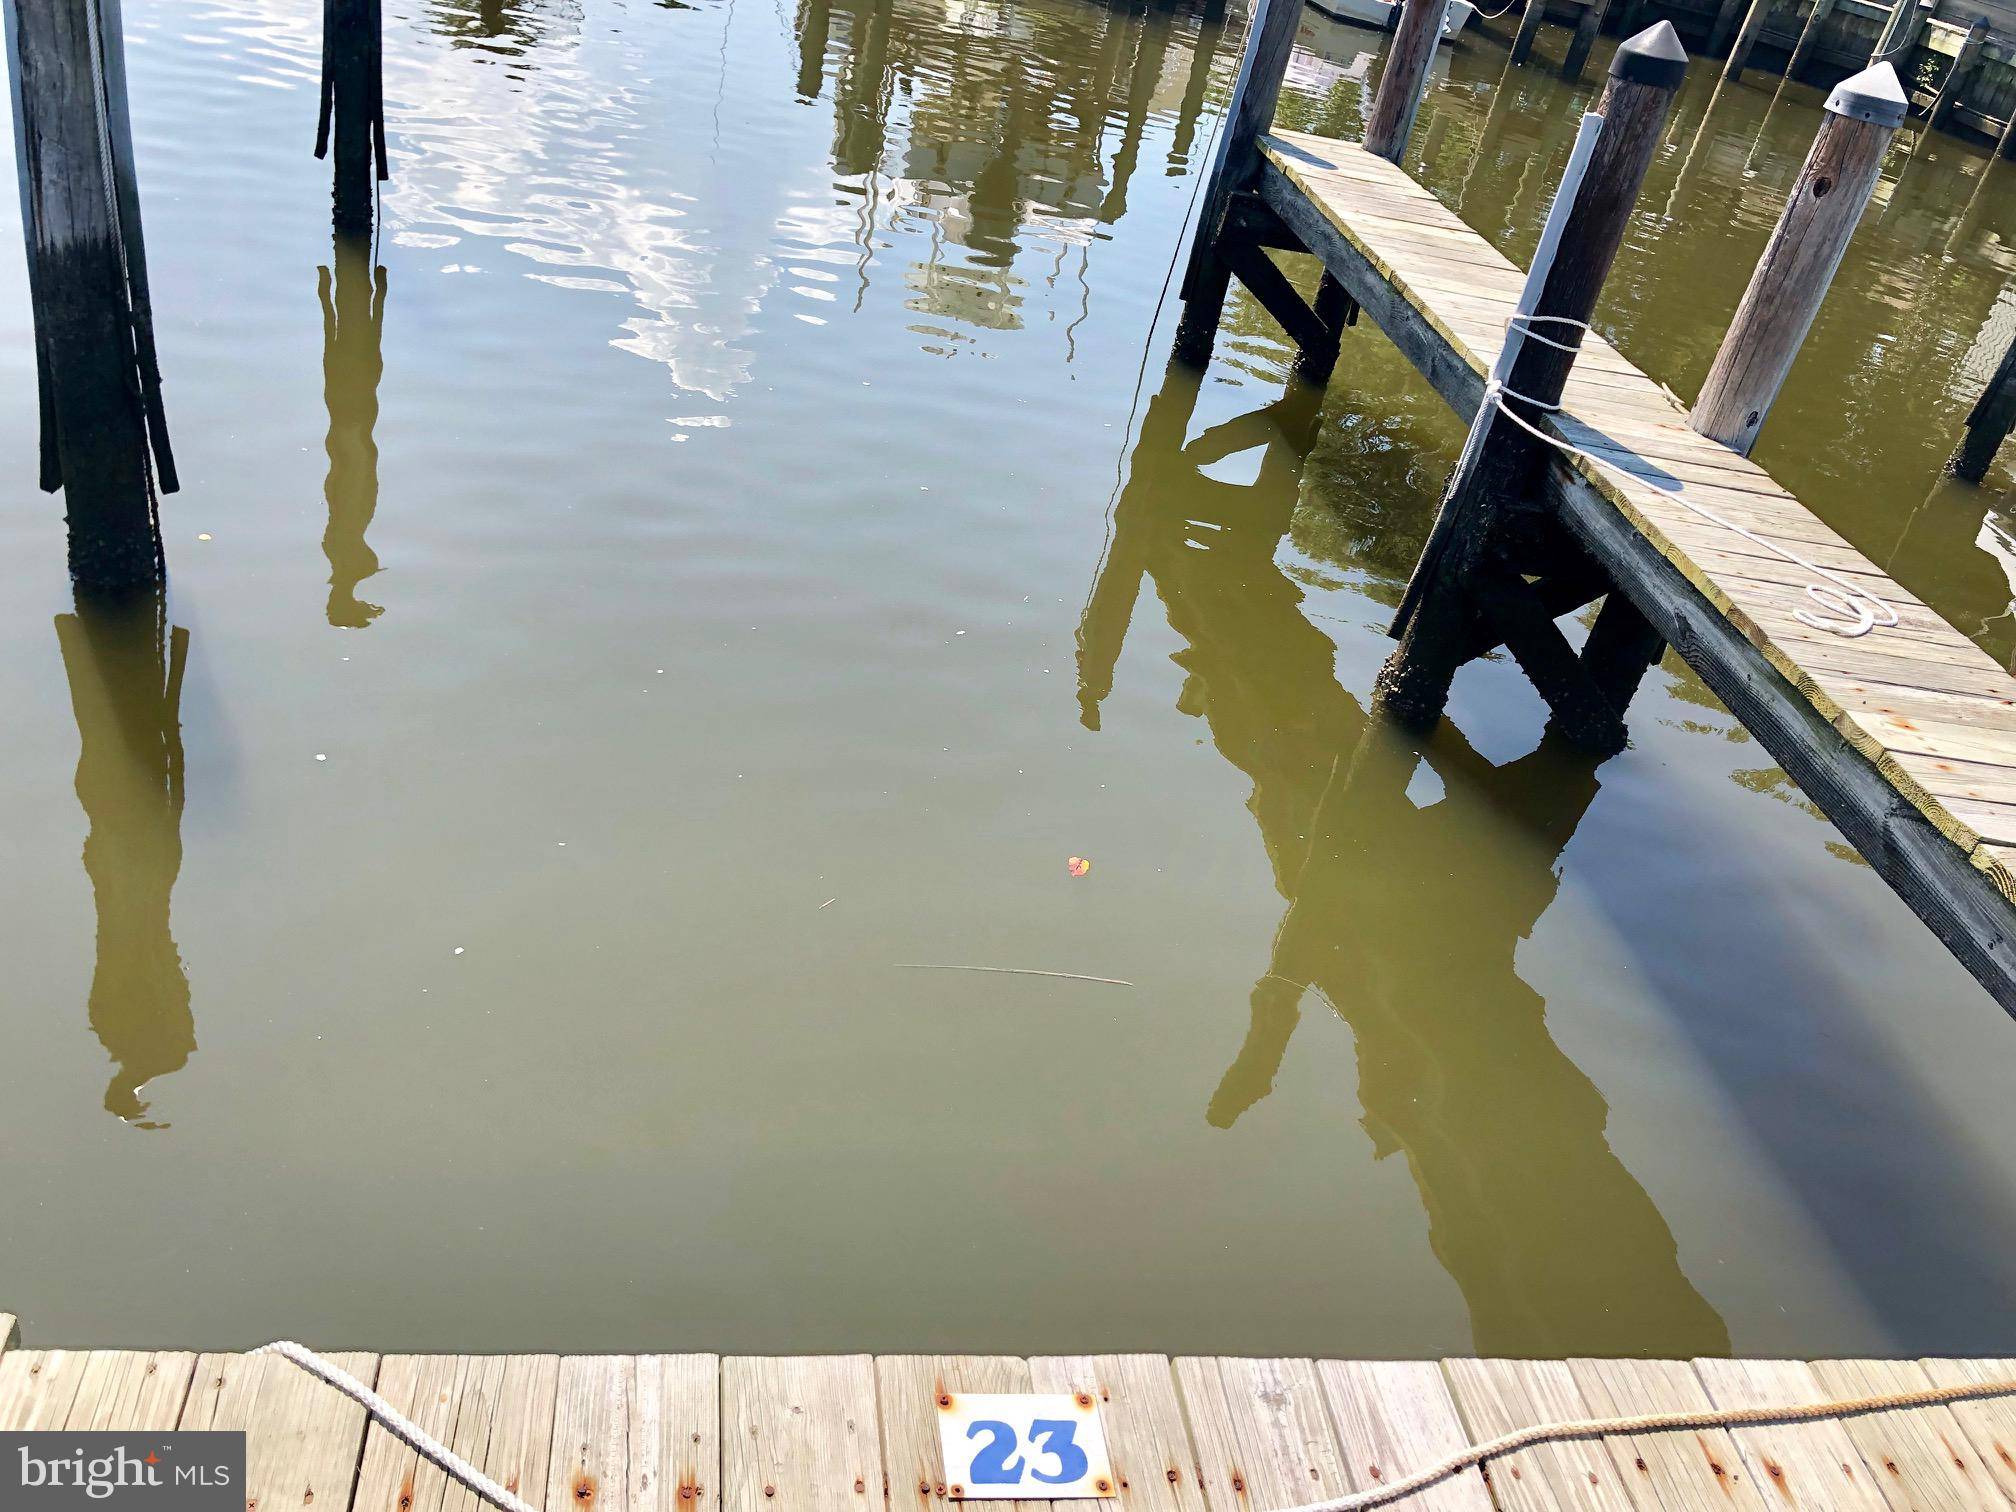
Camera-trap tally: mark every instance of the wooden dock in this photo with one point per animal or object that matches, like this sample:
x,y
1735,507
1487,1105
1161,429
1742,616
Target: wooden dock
x,y
1906,737
681,1433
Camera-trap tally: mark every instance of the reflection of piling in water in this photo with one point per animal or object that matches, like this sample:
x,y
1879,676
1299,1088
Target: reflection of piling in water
x,y
353,323
815,21
104,436
353,108
1203,49
125,669
1555,1245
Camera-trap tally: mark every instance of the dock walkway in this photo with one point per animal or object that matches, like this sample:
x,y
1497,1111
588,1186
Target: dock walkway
x,y
681,1433
1906,736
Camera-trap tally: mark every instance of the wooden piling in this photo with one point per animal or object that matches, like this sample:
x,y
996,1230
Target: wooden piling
x,y
1466,579
1587,27
1791,277
1207,276
98,378
353,109
1988,423
1809,37
1529,28
1415,37
1746,39
1721,26
1901,32
1963,64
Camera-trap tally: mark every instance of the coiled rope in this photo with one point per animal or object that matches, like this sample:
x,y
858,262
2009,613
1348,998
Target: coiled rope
x,y
1846,608
433,1450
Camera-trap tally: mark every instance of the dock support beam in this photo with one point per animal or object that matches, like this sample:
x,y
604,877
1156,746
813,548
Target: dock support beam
x,y
1587,26
1415,37
104,438
1798,264
1809,36
1529,28
1746,39
1988,423
1207,276
1474,583
1963,64
353,109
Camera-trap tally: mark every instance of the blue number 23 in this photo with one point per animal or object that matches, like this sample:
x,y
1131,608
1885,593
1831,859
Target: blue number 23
x,y
1055,1436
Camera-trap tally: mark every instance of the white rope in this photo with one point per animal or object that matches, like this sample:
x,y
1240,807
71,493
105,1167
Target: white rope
x,y
432,1449
401,1427
1656,1422
1847,608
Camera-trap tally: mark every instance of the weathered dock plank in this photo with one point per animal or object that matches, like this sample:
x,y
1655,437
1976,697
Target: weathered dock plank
x,y
1691,1471
908,1388
505,1426
131,1389
1921,1458
1497,1396
1393,1417
675,1433
1806,1465
304,1442
392,1477
37,1387
590,1470
1989,1422
800,1435
1262,1432
1147,1440
1897,760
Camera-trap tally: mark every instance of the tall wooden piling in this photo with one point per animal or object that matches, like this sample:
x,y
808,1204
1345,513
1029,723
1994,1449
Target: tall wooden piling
x,y
1587,26
1207,276
1746,39
1809,37
104,441
1792,276
1988,423
1529,29
1465,582
353,108
1415,37
1963,64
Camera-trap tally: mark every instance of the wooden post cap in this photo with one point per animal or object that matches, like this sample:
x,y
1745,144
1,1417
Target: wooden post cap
x,y
1872,95
1653,57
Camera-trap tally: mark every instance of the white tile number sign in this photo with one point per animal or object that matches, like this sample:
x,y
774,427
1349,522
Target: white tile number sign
x,y
1022,1447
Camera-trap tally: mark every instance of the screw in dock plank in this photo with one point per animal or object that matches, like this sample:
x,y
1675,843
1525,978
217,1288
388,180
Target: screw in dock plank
x,y
1792,276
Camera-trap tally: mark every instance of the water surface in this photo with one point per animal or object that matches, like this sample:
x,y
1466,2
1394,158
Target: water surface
x,y
729,544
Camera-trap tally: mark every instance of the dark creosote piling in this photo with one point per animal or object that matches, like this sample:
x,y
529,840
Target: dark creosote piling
x,y
1465,580
353,108
1988,423
1207,277
1792,276
1415,37
104,439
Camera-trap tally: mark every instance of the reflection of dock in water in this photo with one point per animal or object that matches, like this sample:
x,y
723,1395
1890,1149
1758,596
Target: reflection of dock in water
x,y
1556,1247
125,668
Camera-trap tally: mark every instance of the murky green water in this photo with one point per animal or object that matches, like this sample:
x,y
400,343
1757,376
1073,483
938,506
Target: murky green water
x,y
731,545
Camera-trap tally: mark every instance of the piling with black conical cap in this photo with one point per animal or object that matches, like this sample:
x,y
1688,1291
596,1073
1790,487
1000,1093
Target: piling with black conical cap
x,y
1654,57
1792,276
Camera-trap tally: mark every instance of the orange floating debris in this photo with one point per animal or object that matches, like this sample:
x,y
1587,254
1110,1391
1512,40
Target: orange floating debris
x,y
1078,866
